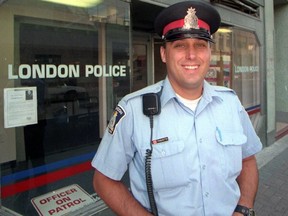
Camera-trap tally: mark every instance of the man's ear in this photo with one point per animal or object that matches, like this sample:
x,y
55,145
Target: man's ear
x,y
163,54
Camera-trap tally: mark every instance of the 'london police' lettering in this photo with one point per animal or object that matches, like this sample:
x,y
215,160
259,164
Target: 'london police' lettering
x,y
246,69
26,71
106,71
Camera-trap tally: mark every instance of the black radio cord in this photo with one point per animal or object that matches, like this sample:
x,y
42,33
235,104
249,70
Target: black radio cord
x,y
149,182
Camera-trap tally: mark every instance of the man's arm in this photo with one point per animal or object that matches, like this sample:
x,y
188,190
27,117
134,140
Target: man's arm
x,y
117,196
248,182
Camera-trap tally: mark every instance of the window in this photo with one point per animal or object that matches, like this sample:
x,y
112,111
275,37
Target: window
x,y
77,60
236,64
246,68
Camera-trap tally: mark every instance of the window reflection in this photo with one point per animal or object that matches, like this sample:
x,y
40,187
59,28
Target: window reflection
x,y
239,68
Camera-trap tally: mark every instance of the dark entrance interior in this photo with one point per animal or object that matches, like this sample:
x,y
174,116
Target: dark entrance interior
x,y
143,15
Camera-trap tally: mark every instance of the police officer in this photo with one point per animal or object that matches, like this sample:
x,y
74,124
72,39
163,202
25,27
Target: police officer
x,y
199,144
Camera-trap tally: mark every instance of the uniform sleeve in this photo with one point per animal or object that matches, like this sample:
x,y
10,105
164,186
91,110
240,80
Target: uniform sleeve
x,y
116,149
253,144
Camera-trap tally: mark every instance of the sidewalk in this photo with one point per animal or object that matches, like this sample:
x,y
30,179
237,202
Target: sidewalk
x,y
272,197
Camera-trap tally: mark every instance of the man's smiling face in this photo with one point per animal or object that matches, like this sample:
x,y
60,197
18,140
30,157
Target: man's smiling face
x,y
187,63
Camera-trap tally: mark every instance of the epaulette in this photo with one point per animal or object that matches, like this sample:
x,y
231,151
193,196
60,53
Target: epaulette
x,y
155,88
223,89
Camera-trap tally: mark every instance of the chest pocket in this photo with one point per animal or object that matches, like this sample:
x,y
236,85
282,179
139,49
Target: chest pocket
x,y
167,167
231,155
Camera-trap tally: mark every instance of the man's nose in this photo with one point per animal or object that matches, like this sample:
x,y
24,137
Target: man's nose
x,y
191,52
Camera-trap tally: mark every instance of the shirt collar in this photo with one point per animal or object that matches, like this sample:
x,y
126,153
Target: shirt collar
x,y
209,92
168,92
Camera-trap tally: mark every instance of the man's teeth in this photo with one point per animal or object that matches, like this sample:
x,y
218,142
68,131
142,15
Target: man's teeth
x,y
191,67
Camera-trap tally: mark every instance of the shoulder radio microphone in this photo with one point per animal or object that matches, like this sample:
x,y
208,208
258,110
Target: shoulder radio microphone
x,y
151,107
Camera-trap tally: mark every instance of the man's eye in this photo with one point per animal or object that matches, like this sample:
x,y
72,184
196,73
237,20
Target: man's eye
x,y
179,45
201,45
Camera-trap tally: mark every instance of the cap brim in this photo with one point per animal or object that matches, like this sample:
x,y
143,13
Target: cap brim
x,y
179,34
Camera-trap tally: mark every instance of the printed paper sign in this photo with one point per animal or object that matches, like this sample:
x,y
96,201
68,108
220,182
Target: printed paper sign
x,y
62,201
20,106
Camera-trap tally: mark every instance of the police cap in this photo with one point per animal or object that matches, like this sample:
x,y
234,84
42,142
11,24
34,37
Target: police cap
x,y
188,19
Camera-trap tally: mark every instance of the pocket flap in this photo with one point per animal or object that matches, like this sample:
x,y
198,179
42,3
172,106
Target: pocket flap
x,y
230,138
166,149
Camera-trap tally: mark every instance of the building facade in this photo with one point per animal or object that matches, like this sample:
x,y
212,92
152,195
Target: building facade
x,y
281,78
64,67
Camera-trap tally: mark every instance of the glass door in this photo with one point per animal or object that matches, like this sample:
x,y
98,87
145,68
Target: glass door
x,y
142,73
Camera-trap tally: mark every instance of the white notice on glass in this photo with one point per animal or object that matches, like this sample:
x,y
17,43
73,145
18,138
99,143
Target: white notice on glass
x,y
20,106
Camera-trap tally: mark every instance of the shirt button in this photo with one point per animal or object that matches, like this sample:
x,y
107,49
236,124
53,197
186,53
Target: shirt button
x,y
163,153
206,194
203,167
200,140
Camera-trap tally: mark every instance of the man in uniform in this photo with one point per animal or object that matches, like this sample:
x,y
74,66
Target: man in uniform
x,y
189,146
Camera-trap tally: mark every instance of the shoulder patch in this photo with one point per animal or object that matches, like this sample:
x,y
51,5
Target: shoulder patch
x,y
118,114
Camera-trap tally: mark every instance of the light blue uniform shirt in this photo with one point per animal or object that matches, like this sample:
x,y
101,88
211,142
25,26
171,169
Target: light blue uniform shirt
x,y
197,156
